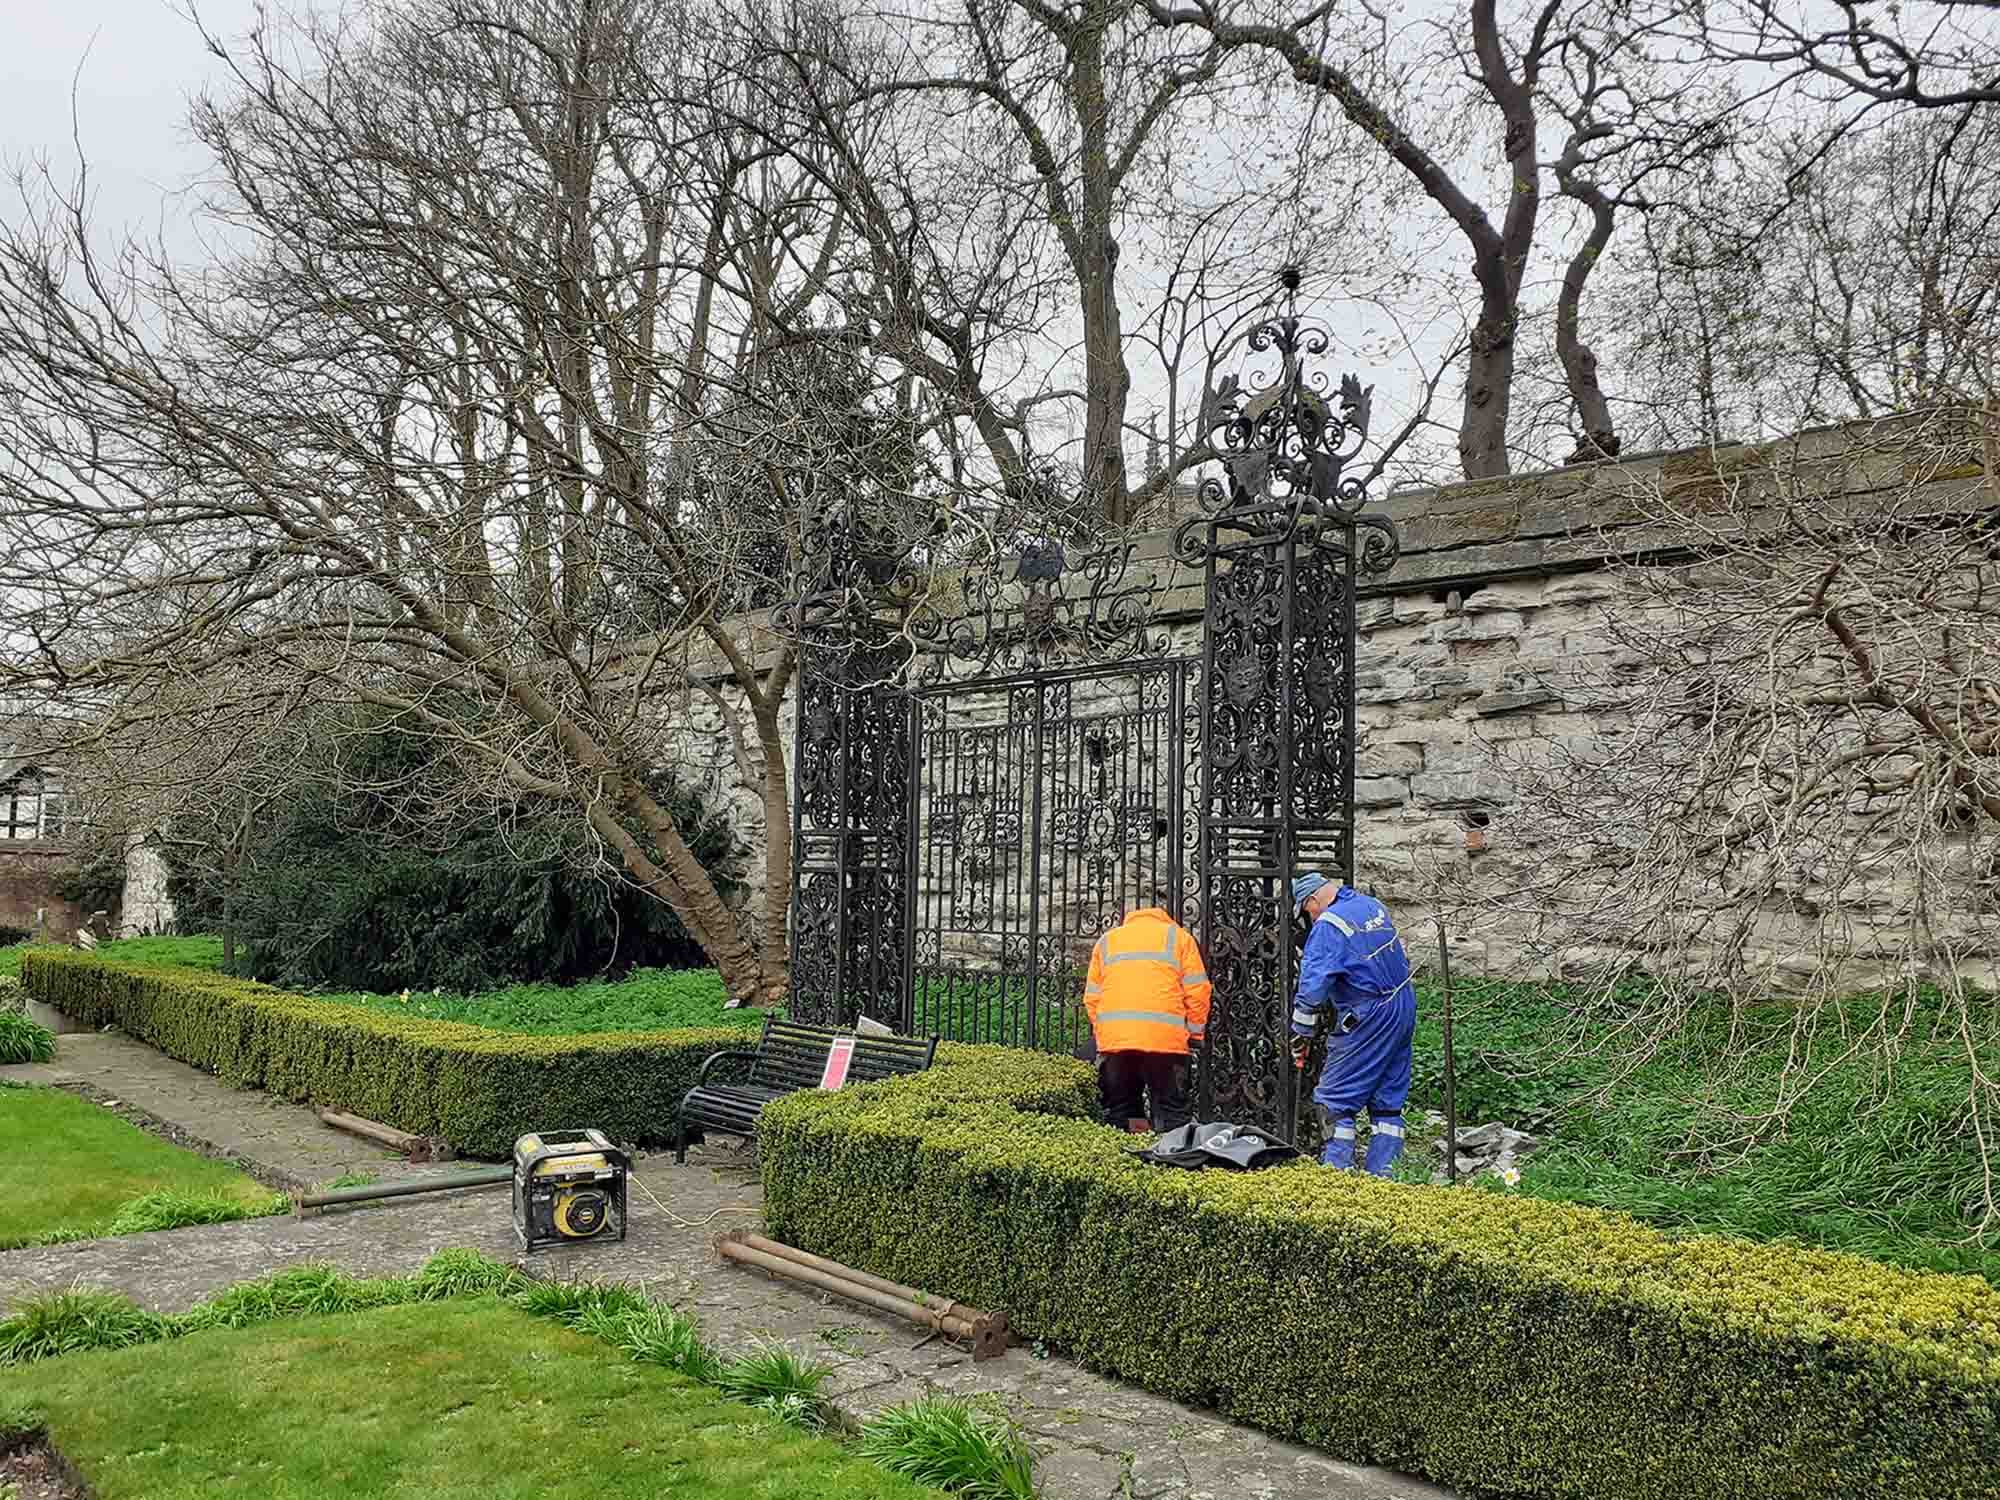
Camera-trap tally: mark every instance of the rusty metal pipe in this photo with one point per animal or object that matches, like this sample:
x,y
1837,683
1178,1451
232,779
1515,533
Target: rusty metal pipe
x,y
987,1332
845,1273
826,1281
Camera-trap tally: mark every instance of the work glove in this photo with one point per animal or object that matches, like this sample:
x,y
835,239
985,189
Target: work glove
x,y
1301,1048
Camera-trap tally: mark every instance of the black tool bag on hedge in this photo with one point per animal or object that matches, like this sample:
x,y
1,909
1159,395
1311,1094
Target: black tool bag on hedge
x,y
1218,1143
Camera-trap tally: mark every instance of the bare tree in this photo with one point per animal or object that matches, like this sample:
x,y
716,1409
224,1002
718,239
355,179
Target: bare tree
x,y
1795,782
449,431
1820,281
1001,162
1479,77
1860,54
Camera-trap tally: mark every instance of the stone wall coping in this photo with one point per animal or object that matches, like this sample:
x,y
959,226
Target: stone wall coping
x,y
1577,518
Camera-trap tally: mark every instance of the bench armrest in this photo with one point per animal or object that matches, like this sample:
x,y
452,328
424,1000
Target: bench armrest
x,y
718,1057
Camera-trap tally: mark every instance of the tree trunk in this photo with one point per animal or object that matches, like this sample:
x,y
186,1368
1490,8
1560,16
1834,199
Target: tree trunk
x,y
1107,379
677,880
1598,438
1489,386
777,831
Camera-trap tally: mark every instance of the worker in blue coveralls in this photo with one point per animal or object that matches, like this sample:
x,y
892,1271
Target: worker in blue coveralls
x,y
1355,970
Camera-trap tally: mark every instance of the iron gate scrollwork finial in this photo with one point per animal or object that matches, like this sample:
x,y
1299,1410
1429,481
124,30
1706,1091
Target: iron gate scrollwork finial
x,y
1286,433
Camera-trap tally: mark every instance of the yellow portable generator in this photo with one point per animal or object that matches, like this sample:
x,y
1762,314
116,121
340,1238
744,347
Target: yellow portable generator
x,y
569,1186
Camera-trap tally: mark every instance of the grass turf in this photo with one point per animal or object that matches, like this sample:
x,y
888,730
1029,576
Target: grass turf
x,y
1877,1160
645,1000
70,1167
445,1400
189,952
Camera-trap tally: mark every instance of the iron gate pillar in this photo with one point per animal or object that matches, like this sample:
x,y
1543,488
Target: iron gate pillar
x,y
1281,545
850,855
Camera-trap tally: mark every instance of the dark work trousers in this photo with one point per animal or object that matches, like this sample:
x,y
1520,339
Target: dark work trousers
x,y
1126,1079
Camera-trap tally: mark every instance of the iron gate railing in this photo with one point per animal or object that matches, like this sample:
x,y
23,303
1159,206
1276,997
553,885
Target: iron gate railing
x,y
1041,810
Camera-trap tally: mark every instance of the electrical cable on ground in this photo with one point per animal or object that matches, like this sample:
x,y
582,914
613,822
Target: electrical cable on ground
x,y
687,1223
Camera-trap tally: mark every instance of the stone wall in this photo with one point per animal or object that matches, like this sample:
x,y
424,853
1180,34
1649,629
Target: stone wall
x,y
1488,638
29,870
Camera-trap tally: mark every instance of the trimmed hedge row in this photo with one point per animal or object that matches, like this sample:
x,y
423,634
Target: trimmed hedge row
x,y
1498,1344
477,1089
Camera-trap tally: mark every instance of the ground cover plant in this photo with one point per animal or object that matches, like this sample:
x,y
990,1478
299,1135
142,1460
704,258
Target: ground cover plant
x,y
468,1398
697,1417
23,1040
75,1171
1877,1160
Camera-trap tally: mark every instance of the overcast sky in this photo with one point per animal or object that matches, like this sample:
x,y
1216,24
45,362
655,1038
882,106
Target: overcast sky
x,y
132,65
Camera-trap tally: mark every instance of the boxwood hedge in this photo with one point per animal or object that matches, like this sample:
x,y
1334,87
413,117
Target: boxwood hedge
x,y
477,1089
1503,1345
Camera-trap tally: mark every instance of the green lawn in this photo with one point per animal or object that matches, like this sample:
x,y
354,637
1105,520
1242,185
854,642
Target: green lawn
x,y
645,1000
442,1400
190,952
69,1167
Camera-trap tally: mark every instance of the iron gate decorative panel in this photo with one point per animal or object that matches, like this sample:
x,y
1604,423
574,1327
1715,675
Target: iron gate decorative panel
x,y
851,815
1044,809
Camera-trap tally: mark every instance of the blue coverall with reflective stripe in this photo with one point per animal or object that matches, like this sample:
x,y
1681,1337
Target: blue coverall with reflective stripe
x,y
1355,962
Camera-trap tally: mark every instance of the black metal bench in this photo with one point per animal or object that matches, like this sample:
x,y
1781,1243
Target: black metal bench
x,y
788,1058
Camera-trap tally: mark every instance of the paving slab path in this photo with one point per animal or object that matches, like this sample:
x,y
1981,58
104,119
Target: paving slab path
x,y
1097,1439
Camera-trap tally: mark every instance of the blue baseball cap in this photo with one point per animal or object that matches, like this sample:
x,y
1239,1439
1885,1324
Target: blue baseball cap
x,y
1304,886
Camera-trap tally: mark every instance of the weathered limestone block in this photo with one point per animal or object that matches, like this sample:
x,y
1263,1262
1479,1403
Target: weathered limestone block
x,y
1424,731
1380,757
1514,701
1520,594
1581,588
1381,791
1417,609
1447,682
1490,626
1389,685
1370,614
1480,788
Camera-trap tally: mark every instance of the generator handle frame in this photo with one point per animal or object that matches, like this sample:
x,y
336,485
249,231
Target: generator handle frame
x,y
566,1140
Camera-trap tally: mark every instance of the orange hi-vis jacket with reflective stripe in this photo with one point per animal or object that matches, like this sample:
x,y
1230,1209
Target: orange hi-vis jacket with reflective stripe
x,y
1148,989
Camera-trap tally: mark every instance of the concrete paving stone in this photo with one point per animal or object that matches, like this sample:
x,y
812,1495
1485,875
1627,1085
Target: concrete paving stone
x,y
1096,1439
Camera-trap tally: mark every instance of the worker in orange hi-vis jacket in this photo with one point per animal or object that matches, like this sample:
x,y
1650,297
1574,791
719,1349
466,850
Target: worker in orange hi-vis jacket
x,y
1148,1002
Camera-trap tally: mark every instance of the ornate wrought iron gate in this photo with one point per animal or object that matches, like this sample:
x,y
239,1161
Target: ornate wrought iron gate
x,y
1043,809
980,795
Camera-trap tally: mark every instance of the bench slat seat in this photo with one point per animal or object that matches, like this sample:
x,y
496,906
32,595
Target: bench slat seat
x,y
787,1059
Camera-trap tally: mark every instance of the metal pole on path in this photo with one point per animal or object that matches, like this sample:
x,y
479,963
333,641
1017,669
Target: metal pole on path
x,y
1450,1069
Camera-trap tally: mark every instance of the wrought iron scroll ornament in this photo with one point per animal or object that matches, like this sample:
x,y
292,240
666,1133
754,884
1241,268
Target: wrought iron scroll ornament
x,y
1287,436
968,606
1046,609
